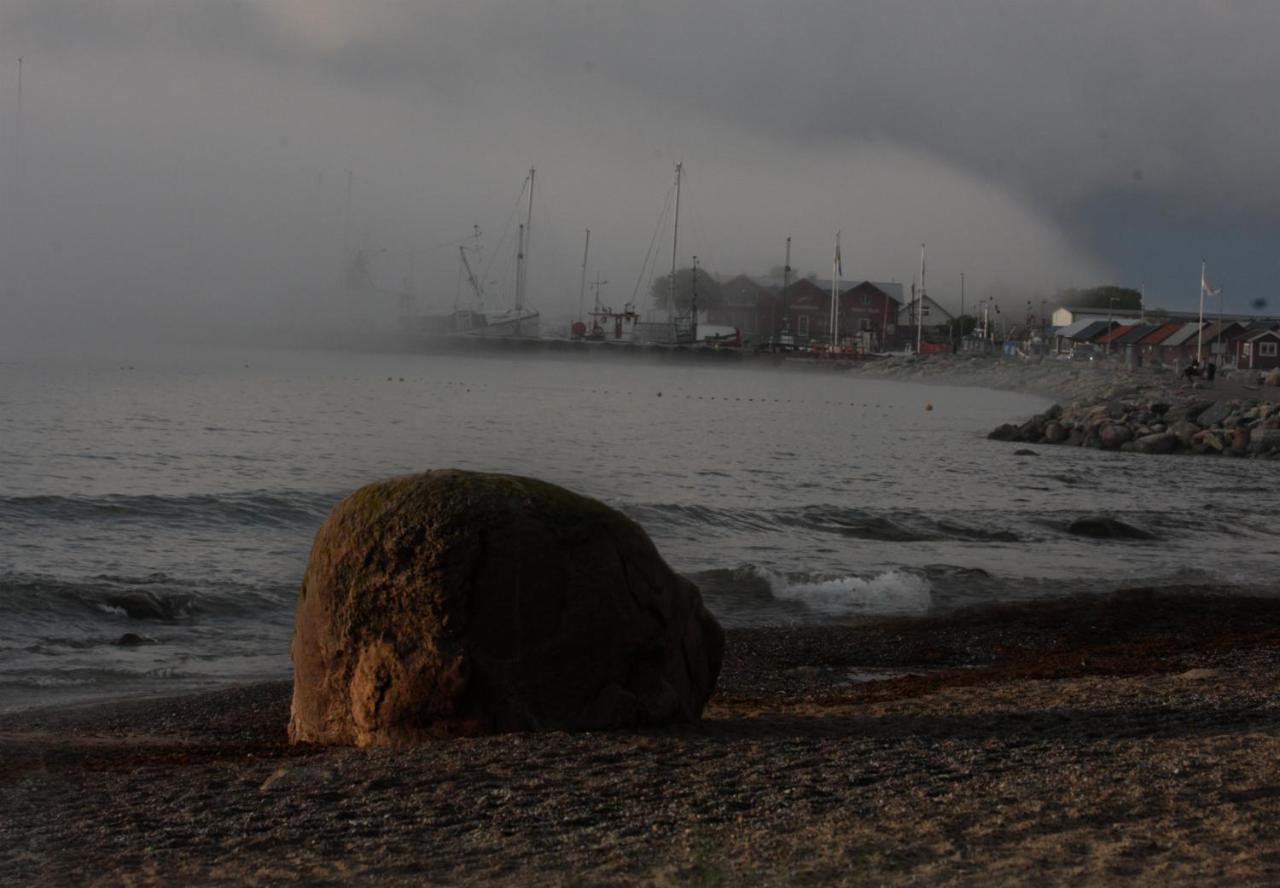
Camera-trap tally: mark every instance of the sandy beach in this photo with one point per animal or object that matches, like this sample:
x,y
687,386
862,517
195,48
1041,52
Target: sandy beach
x,y
1130,737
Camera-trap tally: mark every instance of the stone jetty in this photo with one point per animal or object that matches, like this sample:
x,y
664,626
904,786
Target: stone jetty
x,y
1232,428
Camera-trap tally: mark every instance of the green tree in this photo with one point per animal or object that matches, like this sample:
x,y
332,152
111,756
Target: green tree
x,y
710,295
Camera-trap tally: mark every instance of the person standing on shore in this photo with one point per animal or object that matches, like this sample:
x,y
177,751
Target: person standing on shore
x,y
1210,370
1193,369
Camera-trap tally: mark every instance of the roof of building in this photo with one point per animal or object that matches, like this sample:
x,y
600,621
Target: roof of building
x,y
1256,327
1161,333
1114,333
1181,337
930,304
1092,329
892,289
1073,328
1218,329
1136,334
1261,333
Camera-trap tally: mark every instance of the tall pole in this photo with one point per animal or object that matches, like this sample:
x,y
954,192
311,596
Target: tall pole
x,y
1200,332
1111,300
782,295
915,305
582,290
920,307
346,217
1221,353
675,245
835,296
693,302
519,265
526,231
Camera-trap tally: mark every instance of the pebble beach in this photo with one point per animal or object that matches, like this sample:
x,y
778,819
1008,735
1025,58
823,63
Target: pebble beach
x,y
1133,737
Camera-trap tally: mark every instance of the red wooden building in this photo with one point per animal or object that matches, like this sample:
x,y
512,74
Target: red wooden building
x,y
867,314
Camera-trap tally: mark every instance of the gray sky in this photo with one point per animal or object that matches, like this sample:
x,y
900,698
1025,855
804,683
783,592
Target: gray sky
x,y
185,160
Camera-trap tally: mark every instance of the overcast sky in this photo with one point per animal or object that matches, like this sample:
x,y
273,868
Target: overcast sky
x,y
186,160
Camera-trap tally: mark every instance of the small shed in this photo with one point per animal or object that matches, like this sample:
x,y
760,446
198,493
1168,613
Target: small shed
x,y
1180,347
1149,345
1261,351
1109,338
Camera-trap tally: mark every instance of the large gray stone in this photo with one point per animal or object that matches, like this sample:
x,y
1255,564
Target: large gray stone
x,y
1263,440
1113,435
1216,414
1161,442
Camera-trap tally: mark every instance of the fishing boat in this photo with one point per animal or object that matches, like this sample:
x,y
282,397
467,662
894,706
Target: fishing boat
x,y
477,320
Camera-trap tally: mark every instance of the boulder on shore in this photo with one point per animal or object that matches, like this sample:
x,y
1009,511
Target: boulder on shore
x,y
456,603
1112,435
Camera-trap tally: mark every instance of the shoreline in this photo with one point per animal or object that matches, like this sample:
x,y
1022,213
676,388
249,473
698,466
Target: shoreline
x,y
1132,735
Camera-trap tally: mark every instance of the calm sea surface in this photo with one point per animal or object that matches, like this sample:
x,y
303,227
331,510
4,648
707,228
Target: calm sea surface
x,y
174,496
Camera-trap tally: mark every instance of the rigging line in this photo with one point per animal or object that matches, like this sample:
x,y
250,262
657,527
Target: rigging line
x,y
696,236
506,232
662,219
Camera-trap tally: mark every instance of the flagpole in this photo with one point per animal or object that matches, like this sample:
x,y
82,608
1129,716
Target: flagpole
x,y
1200,332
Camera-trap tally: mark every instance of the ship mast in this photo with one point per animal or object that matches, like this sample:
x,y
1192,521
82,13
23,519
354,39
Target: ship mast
x,y
523,248
675,242
582,289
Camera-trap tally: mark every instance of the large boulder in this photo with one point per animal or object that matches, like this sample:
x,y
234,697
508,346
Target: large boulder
x,y
453,603
1216,414
1185,431
1112,435
1263,440
1160,442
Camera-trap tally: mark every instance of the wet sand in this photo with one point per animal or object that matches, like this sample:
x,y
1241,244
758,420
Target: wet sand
x,y
1134,737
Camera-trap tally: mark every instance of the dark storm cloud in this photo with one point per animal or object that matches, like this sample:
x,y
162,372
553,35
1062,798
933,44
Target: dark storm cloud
x,y
1007,134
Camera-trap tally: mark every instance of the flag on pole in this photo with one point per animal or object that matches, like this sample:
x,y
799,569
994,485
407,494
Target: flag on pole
x,y
1205,287
839,264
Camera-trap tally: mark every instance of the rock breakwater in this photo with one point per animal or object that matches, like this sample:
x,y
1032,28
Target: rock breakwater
x,y
1225,427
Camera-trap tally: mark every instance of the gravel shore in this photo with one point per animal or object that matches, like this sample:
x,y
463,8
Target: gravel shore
x,y
1135,736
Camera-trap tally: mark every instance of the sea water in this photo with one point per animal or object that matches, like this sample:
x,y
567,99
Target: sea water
x,y
157,508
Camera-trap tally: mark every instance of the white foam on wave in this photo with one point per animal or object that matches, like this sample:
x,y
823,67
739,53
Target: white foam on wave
x,y
894,592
